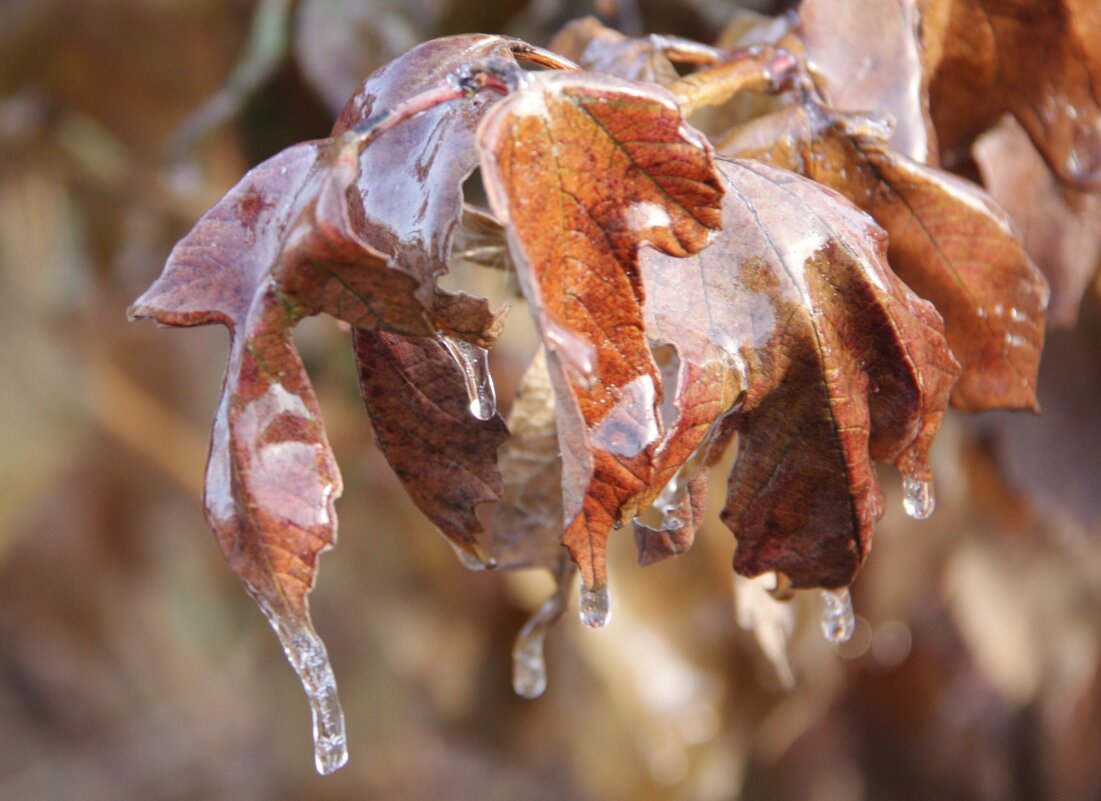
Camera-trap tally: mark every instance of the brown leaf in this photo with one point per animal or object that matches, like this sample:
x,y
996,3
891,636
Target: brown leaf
x,y
650,58
415,392
581,171
949,241
271,477
1060,226
806,344
445,457
1040,60
866,55
527,523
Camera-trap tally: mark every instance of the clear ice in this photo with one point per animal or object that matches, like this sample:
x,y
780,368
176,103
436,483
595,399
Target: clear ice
x,y
838,620
594,606
918,498
474,362
307,655
529,671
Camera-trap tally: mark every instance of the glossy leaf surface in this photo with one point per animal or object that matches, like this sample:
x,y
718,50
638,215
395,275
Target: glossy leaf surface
x,y
949,241
582,171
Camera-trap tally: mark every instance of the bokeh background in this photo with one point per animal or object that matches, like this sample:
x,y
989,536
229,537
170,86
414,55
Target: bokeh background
x,y
133,665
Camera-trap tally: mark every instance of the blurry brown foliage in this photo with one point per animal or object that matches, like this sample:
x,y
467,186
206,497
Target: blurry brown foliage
x,y
131,665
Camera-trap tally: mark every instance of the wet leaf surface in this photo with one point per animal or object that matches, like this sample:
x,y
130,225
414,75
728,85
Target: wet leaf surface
x,y
949,241
581,172
841,364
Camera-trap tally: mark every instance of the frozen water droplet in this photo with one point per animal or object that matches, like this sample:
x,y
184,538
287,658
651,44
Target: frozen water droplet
x,y
307,655
838,620
474,362
529,671
918,498
594,609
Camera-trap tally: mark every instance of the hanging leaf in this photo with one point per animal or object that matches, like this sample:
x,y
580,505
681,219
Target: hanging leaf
x,y
792,331
949,241
1060,226
581,171
1039,60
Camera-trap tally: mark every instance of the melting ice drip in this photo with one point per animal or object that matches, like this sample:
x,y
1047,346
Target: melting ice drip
x,y
307,655
594,608
474,362
838,620
529,670
918,498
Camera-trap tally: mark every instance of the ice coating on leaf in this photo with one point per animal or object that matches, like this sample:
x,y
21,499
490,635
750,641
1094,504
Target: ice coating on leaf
x,y
838,620
565,159
886,72
828,363
443,448
474,363
948,240
292,239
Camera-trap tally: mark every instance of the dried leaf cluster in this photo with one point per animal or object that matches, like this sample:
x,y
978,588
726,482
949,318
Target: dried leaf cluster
x,y
753,242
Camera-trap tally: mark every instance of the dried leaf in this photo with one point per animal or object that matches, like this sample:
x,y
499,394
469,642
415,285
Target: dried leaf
x,y
445,457
1060,226
416,393
949,241
840,362
598,48
581,171
1039,60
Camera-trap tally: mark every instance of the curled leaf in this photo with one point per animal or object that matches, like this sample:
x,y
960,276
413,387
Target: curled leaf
x,y
1039,60
445,457
949,241
582,171
841,365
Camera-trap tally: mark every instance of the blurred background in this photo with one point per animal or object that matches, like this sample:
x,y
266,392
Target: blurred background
x,y
134,666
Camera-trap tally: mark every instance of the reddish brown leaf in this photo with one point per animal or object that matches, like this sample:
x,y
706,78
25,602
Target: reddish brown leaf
x,y
581,171
414,391
949,241
445,457
805,343
1060,226
650,58
1040,60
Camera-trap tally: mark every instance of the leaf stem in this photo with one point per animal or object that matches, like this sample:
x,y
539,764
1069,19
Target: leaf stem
x,y
755,69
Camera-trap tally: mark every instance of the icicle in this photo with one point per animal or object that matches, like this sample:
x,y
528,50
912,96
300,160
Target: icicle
x,y
310,660
529,671
594,608
838,620
918,498
474,362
